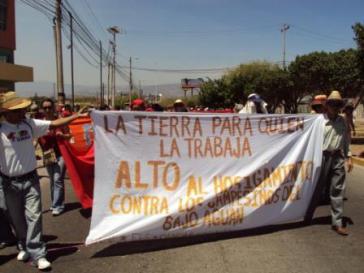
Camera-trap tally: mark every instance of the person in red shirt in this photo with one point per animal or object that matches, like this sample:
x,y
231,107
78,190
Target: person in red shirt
x,y
52,158
67,111
138,105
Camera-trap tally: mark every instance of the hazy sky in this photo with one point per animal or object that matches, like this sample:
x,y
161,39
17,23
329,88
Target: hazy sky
x,y
189,34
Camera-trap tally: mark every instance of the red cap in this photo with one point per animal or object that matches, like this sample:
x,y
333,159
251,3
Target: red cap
x,y
137,102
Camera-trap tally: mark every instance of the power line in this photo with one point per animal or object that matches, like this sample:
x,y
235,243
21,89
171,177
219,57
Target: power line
x,y
318,35
96,19
199,70
204,32
82,34
40,8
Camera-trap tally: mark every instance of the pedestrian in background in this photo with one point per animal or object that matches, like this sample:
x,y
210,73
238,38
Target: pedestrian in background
x,y
52,158
137,105
179,106
318,104
7,237
254,105
349,118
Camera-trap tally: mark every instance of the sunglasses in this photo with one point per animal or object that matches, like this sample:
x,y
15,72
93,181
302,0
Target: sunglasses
x,y
335,104
21,110
47,107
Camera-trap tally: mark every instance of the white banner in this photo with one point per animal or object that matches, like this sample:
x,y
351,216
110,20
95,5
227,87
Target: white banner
x,y
161,175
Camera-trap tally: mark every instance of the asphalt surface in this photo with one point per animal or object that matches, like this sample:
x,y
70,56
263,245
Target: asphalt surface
x,y
285,248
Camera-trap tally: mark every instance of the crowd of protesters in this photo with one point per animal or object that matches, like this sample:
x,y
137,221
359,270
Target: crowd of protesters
x,y
20,196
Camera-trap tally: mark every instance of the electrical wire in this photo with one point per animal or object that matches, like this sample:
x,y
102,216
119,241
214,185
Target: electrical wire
x,y
316,35
95,17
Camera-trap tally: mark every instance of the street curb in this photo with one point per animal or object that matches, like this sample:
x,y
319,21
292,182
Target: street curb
x,y
358,161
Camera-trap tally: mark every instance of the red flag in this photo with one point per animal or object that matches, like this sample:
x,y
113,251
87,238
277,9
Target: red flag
x,y
78,155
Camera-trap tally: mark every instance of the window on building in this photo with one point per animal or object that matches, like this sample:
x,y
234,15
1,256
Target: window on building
x,y
6,56
3,14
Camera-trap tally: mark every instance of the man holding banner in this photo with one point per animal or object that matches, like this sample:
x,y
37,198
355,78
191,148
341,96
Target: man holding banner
x,y
336,154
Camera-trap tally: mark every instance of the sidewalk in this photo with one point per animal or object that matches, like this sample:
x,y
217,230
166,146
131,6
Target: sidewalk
x,y
356,150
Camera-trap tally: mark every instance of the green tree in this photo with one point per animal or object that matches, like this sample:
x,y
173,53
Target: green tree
x,y
345,74
311,73
266,79
214,94
358,29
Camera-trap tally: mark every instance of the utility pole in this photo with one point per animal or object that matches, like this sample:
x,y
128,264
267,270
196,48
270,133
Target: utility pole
x,y
113,30
60,82
283,31
56,48
101,88
72,73
108,82
130,82
54,90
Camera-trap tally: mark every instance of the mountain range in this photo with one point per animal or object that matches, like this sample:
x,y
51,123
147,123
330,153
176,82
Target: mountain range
x,y
48,89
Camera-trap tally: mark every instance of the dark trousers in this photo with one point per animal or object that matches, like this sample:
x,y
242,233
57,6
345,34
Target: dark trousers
x,y
6,234
332,181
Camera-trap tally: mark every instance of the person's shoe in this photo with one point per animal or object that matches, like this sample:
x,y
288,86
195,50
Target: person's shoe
x,y
22,256
57,212
43,263
340,230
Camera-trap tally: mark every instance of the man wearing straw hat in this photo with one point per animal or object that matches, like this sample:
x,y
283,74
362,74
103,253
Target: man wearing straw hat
x,y
336,153
18,173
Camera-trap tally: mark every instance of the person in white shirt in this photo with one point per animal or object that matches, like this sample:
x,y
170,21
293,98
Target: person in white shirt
x,y
254,105
19,176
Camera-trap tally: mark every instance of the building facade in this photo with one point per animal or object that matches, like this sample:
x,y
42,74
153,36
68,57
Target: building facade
x,y
10,73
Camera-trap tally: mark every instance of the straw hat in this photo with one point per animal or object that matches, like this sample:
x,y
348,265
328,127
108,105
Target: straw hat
x,y
178,101
9,101
319,100
335,99
335,96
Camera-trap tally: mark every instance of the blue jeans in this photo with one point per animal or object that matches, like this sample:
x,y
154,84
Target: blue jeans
x,y
56,172
23,200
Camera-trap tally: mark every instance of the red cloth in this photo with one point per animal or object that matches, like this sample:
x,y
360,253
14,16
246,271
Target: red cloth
x,y
80,168
80,161
81,171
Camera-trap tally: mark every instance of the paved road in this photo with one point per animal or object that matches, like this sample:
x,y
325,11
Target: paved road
x,y
287,248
